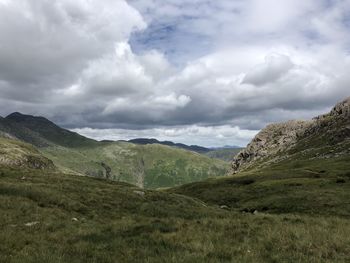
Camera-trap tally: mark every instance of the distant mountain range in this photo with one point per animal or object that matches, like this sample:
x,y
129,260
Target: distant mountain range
x,y
30,141
194,148
290,199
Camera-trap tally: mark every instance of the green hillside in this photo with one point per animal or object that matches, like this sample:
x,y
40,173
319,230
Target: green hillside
x,y
288,205
63,218
149,166
316,187
48,132
17,154
289,172
223,154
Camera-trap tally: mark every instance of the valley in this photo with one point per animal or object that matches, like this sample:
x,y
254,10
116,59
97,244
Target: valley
x,y
147,166
286,200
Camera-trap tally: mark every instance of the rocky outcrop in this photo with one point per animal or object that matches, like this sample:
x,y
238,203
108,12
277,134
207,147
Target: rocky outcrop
x,y
107,169
276,139
271,140
341,110
20,155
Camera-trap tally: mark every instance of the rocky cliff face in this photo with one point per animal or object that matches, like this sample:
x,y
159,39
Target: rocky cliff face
x,y
274,141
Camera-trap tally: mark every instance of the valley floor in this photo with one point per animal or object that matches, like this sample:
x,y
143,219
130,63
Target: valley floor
x,y
49,217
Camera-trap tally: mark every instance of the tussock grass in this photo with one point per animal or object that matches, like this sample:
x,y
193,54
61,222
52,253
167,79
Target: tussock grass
x,y
82,219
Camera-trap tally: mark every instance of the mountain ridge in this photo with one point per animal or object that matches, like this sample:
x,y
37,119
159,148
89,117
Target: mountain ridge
x,y
48,130
195,148
149,166
278,141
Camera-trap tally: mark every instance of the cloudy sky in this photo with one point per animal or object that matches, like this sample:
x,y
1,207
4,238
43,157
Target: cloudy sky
x,y
193,71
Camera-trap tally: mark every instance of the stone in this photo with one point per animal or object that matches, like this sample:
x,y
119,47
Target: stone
x,y
140,193
272,142
32,223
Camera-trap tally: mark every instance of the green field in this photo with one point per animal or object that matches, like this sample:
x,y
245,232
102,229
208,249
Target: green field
x,y
49,217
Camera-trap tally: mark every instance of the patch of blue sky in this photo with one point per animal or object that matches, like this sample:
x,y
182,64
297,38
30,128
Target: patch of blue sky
x,y
172,39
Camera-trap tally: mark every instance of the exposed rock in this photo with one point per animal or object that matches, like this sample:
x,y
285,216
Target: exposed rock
x,y
271,140
140,193
274,141
32,223
74,219
6,135
342,109
32,162
107,169
224,207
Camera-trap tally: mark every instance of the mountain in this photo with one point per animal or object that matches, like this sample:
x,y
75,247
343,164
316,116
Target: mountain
x,y
300,167
323,137
49,132
226,147
11,129
194,148
225,154
149,166
290,200
296,209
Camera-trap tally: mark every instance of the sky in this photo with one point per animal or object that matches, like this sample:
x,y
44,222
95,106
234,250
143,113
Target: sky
x,y
203,72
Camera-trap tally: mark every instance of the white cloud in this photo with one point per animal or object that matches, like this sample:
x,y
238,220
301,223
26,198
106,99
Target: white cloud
x,y
274,67
45,45
206,136
242,63
154,106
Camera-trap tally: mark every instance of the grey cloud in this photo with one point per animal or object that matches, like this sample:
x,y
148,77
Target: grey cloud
x,y
274,67
73,63
46,44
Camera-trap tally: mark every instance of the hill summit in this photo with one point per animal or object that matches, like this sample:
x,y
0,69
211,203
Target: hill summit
x,y
40,131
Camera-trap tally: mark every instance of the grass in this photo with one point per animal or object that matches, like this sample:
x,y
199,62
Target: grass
x,y
148,166
224,154
20,154
81,219
314,187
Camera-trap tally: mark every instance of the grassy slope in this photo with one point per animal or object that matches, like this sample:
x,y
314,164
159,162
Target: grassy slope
x,y
20,154
313,177
42,132
151,166
223,154
115,224
304,187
